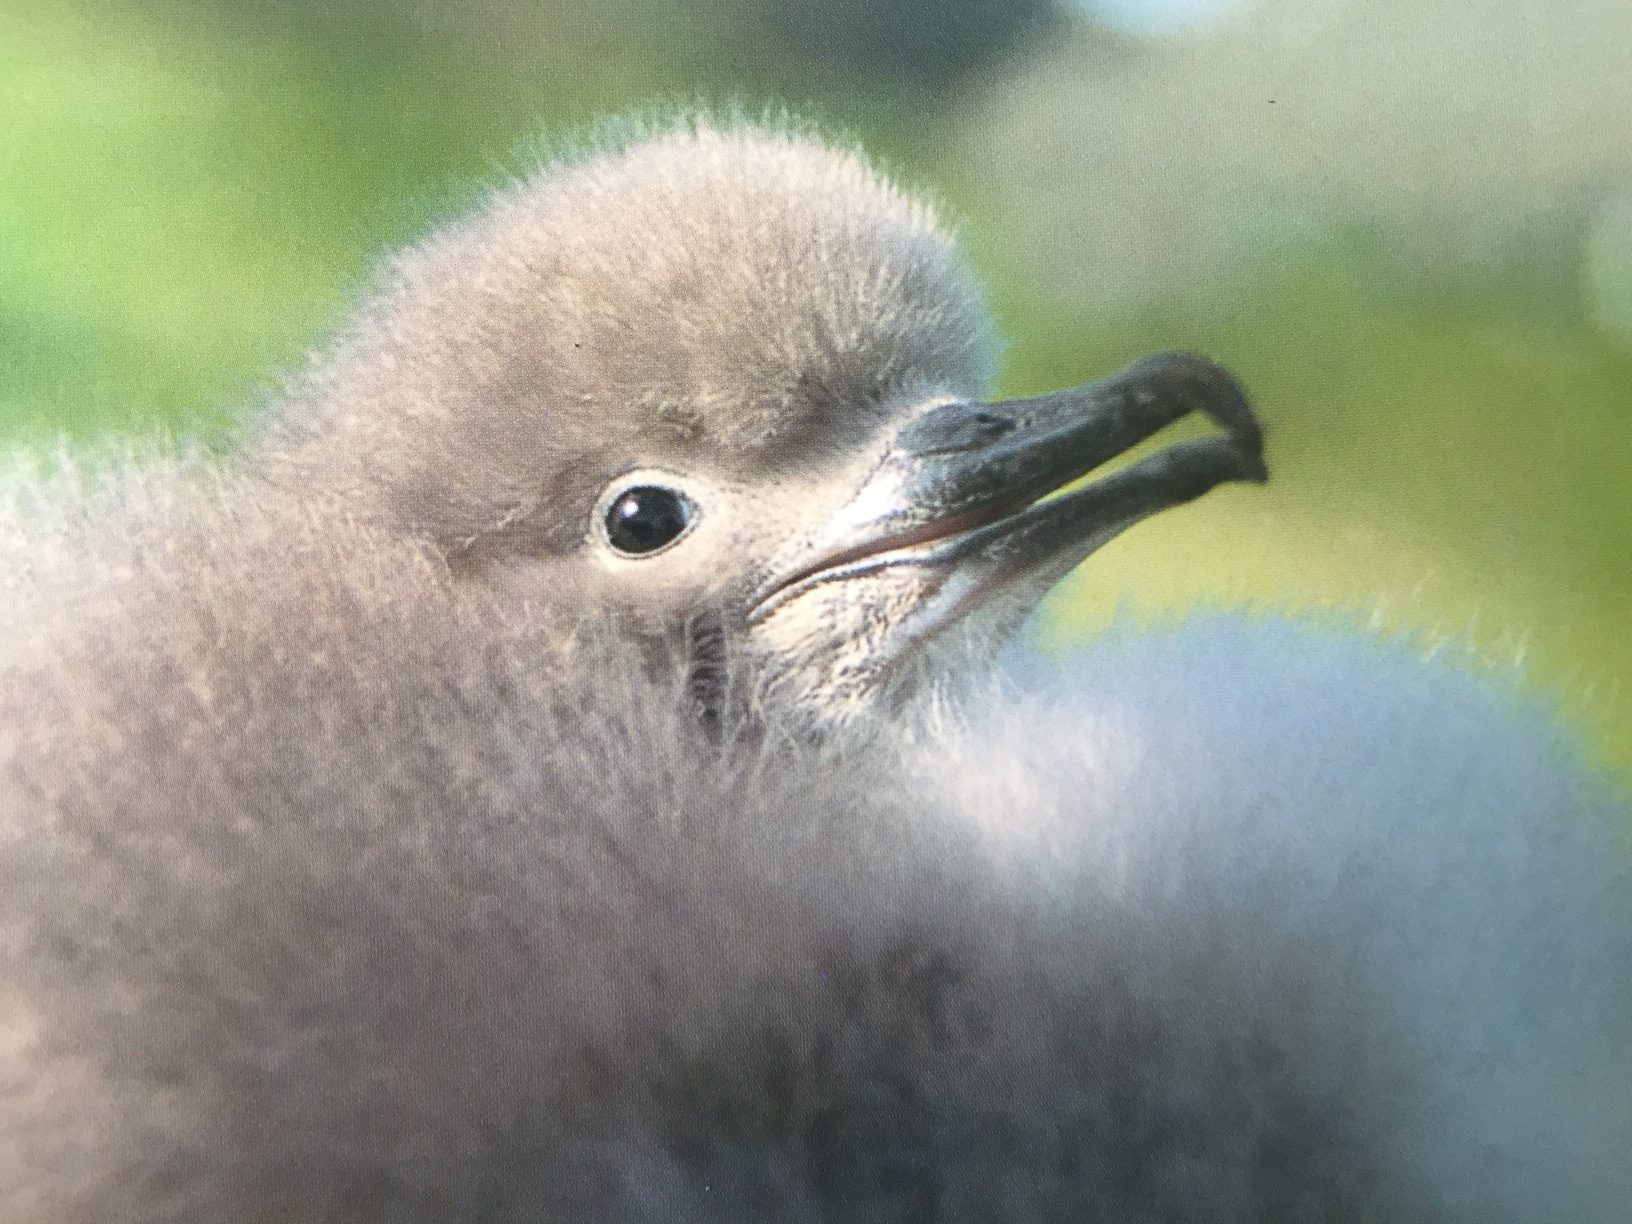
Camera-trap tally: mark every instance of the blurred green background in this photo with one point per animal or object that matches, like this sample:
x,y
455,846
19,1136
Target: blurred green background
x,y
1407,225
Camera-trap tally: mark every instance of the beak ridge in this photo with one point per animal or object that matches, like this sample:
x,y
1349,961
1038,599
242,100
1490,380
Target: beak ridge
x,y
969,479
1030,447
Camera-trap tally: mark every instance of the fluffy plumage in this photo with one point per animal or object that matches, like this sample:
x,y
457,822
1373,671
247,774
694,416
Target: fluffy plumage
x,y
700,294
345,874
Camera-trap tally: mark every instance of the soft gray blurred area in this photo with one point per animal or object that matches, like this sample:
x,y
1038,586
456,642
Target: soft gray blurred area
x,y
1452,139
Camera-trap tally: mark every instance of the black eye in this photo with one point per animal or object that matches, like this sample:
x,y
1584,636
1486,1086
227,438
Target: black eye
x,y
647,517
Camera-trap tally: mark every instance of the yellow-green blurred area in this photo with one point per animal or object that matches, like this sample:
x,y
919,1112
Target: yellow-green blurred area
x,y
1407,224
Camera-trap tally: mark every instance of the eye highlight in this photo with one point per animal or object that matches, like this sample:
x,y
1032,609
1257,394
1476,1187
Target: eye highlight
x,y
646,518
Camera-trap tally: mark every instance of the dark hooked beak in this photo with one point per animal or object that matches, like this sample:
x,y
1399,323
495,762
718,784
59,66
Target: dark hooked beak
x,y
964,488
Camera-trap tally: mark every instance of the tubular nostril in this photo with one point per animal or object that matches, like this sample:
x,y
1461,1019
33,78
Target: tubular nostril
x,y
950,428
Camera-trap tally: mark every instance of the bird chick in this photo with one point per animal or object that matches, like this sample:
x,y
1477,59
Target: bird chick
x,y
732,377
363,855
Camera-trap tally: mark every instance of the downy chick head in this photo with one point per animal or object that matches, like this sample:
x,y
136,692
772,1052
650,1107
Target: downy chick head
x,y
729,384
